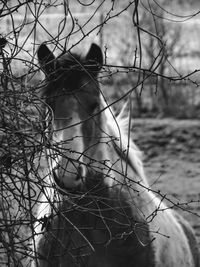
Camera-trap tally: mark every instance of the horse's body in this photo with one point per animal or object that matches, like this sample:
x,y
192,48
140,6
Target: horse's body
x,y
103,212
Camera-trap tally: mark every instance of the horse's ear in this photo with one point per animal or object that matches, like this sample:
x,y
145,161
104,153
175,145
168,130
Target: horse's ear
x,y
46,59
95,54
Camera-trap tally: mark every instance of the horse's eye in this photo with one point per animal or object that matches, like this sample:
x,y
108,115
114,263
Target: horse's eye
x,y
93,106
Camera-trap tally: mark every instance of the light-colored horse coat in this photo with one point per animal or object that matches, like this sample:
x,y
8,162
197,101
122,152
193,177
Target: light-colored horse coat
x,y
103,212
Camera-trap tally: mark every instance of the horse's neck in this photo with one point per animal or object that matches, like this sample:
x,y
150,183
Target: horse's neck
x,y
126,167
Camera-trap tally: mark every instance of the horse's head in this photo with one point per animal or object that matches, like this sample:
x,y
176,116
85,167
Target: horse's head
x,y
72,93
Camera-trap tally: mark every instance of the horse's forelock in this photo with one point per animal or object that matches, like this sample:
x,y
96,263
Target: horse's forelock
x,y
68,59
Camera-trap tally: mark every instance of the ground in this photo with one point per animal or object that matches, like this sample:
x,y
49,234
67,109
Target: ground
x,y
172,161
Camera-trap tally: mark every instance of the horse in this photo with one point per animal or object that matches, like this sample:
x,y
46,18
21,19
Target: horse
x,y
99,209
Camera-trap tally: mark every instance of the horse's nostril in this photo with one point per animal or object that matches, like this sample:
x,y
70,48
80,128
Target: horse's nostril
x,y
80,172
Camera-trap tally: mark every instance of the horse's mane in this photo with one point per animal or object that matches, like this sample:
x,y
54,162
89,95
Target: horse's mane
x,y
119,127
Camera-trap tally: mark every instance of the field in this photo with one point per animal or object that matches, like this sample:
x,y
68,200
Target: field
x,y
172,161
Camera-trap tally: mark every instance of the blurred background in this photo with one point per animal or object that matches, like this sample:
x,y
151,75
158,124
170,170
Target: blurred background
x,y
159,59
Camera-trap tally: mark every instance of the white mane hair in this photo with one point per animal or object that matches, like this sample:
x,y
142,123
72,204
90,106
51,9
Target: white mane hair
x,y
119,127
